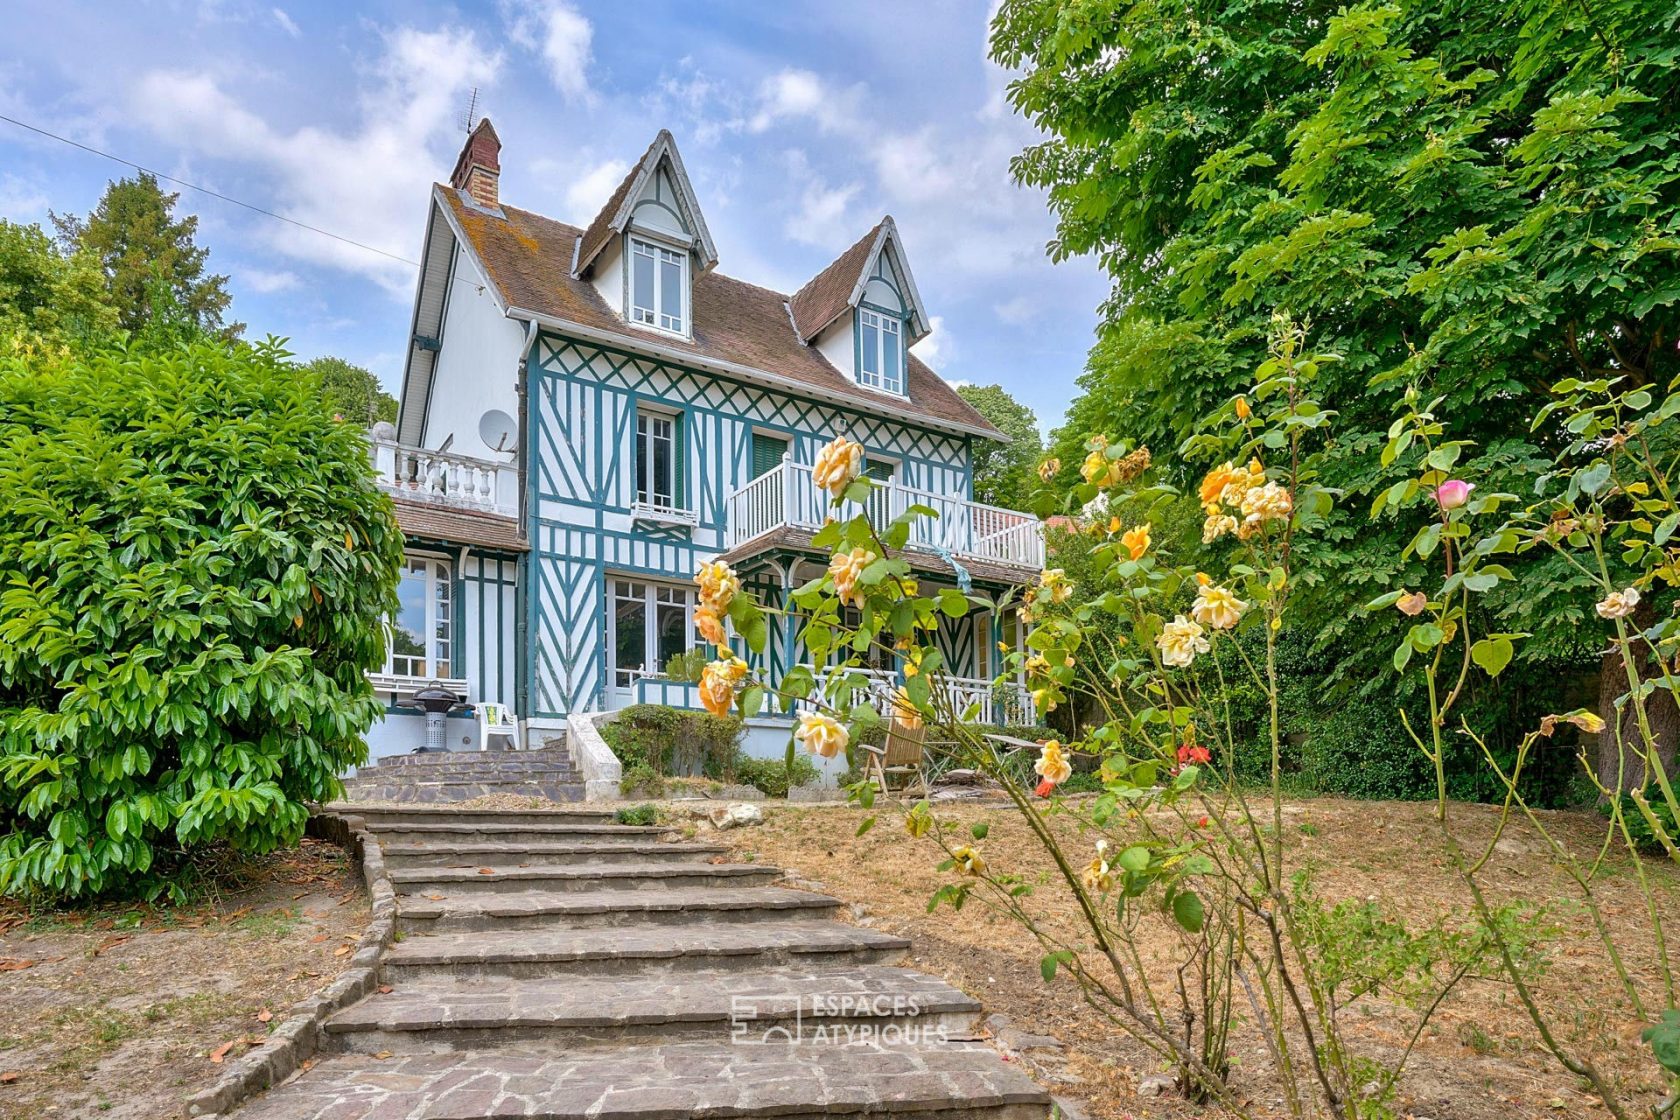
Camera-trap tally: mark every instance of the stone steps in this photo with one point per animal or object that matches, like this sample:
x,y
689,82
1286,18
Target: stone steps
x,y
634,950
548,853
454,912
664,1081
868,1003
439,793
647,876
444,835
385,818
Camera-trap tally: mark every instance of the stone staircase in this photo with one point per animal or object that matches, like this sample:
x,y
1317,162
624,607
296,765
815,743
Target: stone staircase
x,y
555,965
446,776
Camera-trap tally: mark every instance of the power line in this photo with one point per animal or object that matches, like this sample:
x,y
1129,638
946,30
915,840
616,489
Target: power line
x,y
207,190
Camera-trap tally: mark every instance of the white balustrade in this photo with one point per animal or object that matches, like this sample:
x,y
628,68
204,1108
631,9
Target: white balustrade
x,y
1005,703
787,497
446,479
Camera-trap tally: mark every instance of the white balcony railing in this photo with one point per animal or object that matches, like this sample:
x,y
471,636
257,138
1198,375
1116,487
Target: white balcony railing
x,y
787,497
1004,703
446,479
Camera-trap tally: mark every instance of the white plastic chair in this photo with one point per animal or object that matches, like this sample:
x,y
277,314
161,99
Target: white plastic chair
x,y
497,719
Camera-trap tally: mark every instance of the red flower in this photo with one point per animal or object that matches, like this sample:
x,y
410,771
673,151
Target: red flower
x,y
1045,787
1191,752
1203,823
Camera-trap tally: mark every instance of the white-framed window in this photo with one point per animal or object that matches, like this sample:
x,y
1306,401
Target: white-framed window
x,y
651,623
880,351
657,466
419,643
658,286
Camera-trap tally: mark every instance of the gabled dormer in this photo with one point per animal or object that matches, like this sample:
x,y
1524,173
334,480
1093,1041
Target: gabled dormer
x,y
864,313
647,244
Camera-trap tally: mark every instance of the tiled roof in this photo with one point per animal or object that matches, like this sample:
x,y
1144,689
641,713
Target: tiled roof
x,y
529,257
433,522
829,292
600,231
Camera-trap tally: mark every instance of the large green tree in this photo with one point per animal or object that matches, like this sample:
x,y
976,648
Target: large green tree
x,y
47,294
1477,198
145,252
1003,472
351,391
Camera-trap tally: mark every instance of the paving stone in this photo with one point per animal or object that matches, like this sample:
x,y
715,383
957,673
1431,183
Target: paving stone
x,y
579,877
649,1082
780,1004
453,911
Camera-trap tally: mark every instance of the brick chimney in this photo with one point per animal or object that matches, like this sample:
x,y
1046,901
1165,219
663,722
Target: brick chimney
x,y
480,166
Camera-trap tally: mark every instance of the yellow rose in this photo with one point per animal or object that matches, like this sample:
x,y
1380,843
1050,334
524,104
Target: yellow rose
x,y
1618,604
1055,582
1217,525
904,711
717,684
1216,607
1215,481
1099,879
718,585
822,735
968,860
1268,502
1052,764
838,466
1180,641
1243,411
919,821
846,567
1049,469
710,625
1135,541
1097,470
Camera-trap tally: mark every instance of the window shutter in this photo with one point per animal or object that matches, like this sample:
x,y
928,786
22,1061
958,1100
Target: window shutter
x,y
767,452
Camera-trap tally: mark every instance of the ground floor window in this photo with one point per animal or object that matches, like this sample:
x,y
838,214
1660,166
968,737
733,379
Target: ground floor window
x,y
651,623
419,644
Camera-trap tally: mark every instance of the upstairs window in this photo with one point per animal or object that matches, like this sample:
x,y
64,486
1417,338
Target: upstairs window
x,y
656,460
658,286
880,351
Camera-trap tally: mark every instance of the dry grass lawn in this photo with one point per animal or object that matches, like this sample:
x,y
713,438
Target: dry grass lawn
x,y
124,1012
1480,1059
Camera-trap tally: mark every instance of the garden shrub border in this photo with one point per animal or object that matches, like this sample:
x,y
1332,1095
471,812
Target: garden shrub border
x,y
299,1037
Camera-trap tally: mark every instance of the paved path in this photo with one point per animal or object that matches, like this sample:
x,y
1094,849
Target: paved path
x,y
555,965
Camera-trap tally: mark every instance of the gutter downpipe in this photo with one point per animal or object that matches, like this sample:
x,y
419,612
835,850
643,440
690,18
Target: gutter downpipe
x,y
524,599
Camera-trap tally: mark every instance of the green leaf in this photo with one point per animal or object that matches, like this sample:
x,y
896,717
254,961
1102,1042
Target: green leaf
x,y
868,823
979,830
1664,1038
1188,911
1492,654
1135,858
1047,964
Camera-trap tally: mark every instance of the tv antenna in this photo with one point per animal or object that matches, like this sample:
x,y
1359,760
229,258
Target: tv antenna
x,y
470,117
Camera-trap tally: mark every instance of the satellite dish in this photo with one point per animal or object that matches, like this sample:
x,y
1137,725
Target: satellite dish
x,y
498,431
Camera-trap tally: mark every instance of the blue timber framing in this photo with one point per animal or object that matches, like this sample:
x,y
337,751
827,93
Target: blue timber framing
x,y
580,402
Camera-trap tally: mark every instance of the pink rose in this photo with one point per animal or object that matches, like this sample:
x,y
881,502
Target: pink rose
x,y
1453,493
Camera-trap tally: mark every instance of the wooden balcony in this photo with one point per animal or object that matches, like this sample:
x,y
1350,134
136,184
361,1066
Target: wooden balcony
x,y
787,499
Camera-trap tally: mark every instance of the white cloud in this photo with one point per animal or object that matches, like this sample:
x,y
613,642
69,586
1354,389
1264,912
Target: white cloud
x,y
800,94
589,192
562,35
20,201
937,349
287,23
823,216
368,182
266,281
1017,311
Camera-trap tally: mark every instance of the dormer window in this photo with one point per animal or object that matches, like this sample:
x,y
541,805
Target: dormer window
x,y
658,286
880,351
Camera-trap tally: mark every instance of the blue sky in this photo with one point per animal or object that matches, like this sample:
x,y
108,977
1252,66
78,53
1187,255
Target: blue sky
x,y
800,124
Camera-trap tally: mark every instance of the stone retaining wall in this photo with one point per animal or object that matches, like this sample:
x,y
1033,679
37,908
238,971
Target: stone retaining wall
x,y
298,1037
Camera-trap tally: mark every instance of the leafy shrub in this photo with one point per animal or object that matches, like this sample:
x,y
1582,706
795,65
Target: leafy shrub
x,y
771,774
640,815
195,570
672,741
640,779
1360,752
